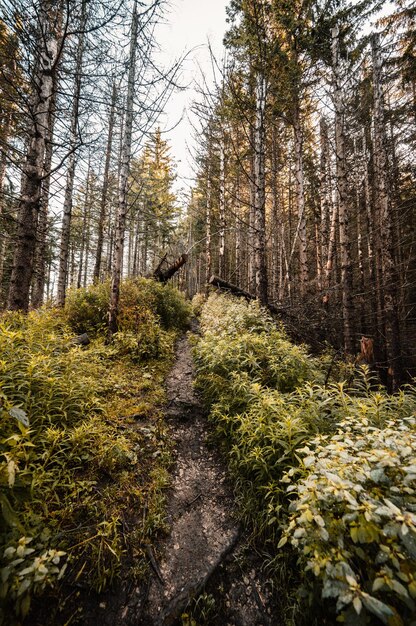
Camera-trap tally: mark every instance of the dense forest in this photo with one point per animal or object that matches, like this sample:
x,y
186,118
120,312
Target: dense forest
x,y
302,207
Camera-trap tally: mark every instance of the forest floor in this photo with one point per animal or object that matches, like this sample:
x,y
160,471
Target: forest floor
x,y
203,571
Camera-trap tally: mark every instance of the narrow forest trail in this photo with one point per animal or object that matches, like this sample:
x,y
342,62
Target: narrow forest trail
x,y
205,550
204,545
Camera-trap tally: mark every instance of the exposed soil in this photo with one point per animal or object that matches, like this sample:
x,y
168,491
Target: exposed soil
x,y
205,550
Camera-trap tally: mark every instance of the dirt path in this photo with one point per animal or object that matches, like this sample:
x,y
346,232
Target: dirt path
x,y
205,549
200,503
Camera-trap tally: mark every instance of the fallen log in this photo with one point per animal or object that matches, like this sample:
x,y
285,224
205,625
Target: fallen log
x,y
216,281
164,275
219,283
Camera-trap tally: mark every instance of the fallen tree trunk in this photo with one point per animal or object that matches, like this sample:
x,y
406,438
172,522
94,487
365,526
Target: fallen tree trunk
x,y
164,275
215,281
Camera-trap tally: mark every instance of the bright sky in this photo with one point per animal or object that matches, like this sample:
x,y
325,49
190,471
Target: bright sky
x,y
190,24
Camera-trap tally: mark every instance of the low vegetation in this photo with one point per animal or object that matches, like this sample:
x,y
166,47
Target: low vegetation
x,y
83,448
324,470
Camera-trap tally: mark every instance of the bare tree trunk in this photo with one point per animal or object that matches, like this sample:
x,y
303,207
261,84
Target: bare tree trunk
x,y
237,227
84,226
88,209
124,174
260,191
208,258
276,244
389,273
136,247
40,262
38,286
3,165
144,247
343,201
22,270
67,213
104,195
221,251
251,278
325,196
300,201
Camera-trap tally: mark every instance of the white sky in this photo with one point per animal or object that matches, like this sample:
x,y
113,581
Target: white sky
x,y
190,24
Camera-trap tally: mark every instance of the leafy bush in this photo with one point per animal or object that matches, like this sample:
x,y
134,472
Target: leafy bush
x,y
28,571
349,454
71,466
198,302
87,309
241,338
354,519
43,373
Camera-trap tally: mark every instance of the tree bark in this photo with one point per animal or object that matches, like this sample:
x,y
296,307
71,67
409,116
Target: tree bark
x,y
163,276
221,251
325,196
104,195
69,189
300,200
29,203
260,191
208,208
384,207
123,184
343,199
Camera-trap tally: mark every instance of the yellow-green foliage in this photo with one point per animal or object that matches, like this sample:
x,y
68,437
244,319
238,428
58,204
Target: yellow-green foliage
x,y
354,518
352,453
141,300
240,338
73,466
198,302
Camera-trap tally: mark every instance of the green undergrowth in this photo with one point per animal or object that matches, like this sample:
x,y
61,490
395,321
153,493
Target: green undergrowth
x,y
83,448
325,471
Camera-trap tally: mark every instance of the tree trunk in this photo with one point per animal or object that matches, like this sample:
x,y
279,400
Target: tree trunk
x,y
325,196
221,252
67,212
208,258
343,200
123,184
42,91
260,191
84,226
300,201
104,195
389,273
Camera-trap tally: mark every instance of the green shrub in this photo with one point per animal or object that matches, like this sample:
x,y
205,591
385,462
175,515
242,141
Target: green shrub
x,y
197,303
71,466
241,338
87,309
28,571
354,519
42,373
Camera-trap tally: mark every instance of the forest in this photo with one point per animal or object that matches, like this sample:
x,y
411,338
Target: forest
x,y
207,398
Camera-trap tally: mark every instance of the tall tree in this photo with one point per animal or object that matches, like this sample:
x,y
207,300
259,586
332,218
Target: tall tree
x,y
48,50
124,175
